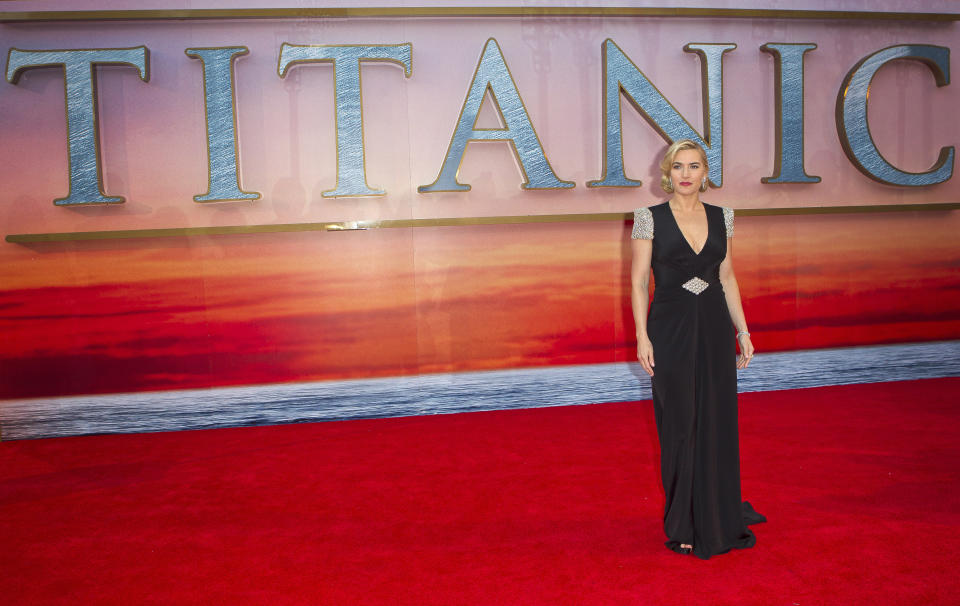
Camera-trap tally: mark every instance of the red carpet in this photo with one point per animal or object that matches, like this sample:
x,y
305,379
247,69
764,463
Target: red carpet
x,y
547,506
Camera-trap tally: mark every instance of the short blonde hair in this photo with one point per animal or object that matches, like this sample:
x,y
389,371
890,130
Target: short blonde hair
x,y
667,163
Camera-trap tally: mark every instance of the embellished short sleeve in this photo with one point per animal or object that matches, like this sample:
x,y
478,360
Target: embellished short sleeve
x,y
728,220
642,224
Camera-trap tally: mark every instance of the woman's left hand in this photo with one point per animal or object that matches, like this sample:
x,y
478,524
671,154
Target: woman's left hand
x,y
746,351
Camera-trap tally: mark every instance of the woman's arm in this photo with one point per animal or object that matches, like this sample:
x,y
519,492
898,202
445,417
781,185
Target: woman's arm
x,y
731,291
640,299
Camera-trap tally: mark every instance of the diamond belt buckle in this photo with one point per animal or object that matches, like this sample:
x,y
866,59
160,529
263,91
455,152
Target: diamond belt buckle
x,y
696,285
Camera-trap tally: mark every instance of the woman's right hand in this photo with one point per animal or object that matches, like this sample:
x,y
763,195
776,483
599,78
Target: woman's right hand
x,y
645,354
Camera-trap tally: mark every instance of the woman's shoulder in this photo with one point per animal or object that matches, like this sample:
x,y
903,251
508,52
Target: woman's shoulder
x,y
653,209
727,216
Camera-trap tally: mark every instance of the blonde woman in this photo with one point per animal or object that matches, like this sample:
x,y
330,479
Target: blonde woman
x,y
687,344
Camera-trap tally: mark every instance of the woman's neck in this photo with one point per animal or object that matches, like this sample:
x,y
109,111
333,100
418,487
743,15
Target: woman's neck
x,y
685,203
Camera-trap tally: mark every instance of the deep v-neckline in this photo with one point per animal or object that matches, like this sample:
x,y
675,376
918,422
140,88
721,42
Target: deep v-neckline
x,y
683,236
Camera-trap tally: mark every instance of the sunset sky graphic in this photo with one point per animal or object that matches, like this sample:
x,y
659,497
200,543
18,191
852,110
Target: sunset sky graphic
x,y
94,317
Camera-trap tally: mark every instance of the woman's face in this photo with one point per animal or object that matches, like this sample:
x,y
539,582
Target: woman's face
x,y
687,171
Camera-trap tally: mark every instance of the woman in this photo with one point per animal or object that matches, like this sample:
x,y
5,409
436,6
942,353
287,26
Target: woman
x,y
686,345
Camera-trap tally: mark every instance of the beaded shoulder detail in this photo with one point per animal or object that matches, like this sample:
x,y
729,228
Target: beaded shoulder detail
x,y
642,224
728,220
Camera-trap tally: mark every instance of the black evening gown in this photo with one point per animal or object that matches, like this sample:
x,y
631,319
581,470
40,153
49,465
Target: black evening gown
x,y
695,386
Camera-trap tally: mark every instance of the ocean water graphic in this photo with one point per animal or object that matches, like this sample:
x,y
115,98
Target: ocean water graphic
x,y
447,393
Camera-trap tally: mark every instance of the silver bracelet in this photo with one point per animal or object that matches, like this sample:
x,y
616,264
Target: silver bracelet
x,y
742,333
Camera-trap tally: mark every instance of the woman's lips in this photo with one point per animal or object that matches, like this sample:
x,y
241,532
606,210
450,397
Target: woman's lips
x,y
686,183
